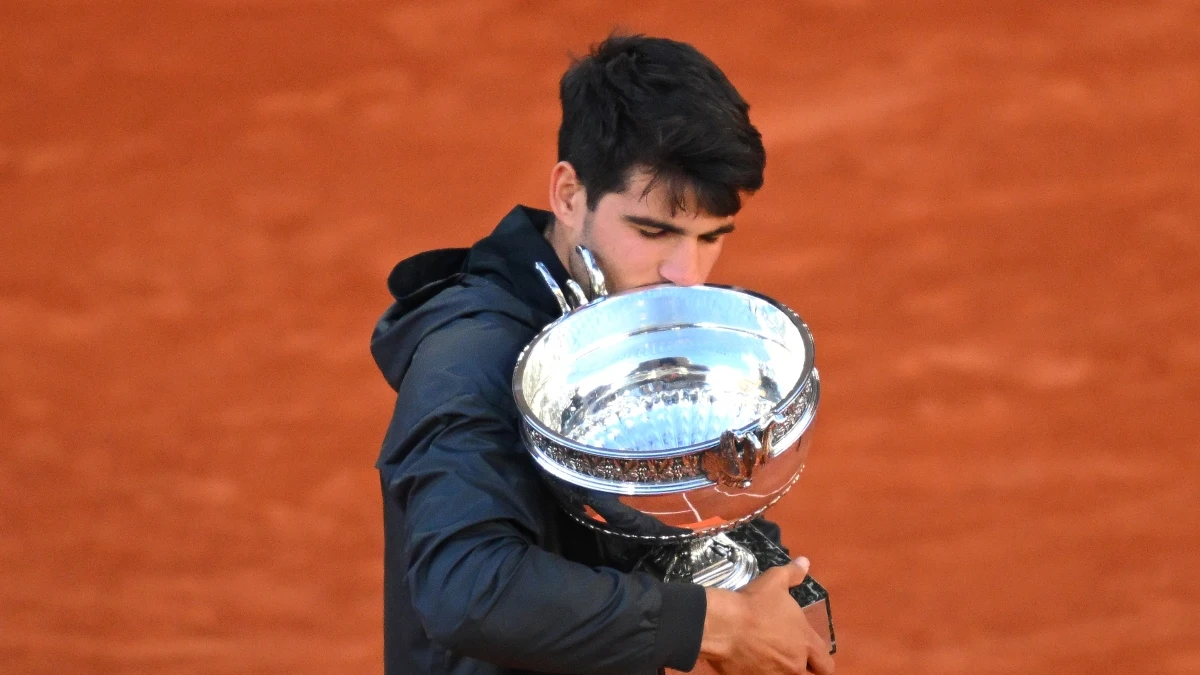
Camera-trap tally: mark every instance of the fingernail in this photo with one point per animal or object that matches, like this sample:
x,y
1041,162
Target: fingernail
x,y
802,562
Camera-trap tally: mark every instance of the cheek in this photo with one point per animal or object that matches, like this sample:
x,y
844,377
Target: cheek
x,y
630,259
709,255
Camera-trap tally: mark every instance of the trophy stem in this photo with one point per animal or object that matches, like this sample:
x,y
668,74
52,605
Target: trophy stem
x,y
733,559
715,562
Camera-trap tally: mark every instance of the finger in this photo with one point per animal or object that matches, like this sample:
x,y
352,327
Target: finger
x,y
791,574
820,661
797,571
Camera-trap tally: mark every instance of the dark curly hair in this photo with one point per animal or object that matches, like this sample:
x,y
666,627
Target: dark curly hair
x,y
653,104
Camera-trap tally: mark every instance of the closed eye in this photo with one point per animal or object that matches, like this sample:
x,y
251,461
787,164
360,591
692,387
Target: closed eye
x,y
652,232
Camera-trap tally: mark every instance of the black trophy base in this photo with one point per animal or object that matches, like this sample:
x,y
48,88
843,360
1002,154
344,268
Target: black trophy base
x,y
665,562
810,595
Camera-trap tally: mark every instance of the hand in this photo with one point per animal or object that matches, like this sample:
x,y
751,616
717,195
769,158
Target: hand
x,y
702,667
760,630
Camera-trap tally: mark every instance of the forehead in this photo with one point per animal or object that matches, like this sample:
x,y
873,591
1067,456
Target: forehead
x,y
646,194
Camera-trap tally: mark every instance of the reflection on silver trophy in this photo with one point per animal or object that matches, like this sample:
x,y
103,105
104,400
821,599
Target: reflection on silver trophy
x,y
674,415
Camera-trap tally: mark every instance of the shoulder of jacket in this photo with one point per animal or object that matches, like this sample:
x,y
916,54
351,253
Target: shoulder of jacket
x,y
479,344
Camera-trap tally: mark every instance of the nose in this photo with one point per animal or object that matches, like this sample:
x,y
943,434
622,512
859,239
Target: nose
x,y
683,267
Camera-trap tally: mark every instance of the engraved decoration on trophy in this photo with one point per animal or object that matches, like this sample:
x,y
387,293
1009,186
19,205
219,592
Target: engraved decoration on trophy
x,y
674,415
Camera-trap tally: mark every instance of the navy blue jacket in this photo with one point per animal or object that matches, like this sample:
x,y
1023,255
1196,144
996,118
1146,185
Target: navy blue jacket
x,y
483,573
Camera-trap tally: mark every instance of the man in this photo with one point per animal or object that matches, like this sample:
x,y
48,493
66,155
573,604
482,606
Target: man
x,y
484,574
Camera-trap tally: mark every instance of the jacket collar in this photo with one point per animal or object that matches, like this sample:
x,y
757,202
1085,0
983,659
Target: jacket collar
x,y
508,255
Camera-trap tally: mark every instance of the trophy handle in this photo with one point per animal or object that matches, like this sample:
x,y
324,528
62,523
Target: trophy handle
x,y
577,293
734,462
554,287
597,286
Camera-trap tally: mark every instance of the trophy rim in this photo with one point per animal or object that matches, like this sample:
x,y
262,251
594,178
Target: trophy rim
x,y
807,373
628,487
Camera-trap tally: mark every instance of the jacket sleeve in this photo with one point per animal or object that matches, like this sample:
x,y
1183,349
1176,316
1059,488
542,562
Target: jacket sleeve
x,y
474,513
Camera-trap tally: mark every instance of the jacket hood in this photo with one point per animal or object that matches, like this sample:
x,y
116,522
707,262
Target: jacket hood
x,y
497,275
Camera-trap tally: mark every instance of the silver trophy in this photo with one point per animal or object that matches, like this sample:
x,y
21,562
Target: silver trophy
x,y
674,415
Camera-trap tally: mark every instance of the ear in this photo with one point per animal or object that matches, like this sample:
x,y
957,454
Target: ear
x,y
568,199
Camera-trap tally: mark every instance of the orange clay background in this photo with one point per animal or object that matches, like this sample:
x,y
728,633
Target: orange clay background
x,y
988,213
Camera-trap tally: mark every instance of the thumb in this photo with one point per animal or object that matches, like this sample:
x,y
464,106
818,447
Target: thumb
x,y
797,570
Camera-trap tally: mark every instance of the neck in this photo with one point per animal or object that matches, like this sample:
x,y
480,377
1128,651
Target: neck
x,y
556,235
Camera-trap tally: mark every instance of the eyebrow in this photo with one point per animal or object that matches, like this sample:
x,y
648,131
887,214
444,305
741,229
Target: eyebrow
x,y
675,229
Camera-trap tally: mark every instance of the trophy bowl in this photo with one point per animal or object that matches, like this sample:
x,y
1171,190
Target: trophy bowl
x,y
669,412
674,415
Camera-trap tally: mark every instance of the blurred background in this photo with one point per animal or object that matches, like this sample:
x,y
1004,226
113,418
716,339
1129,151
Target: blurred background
x,y
988,213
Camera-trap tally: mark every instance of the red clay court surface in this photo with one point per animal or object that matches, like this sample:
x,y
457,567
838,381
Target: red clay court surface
x,y
987,212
